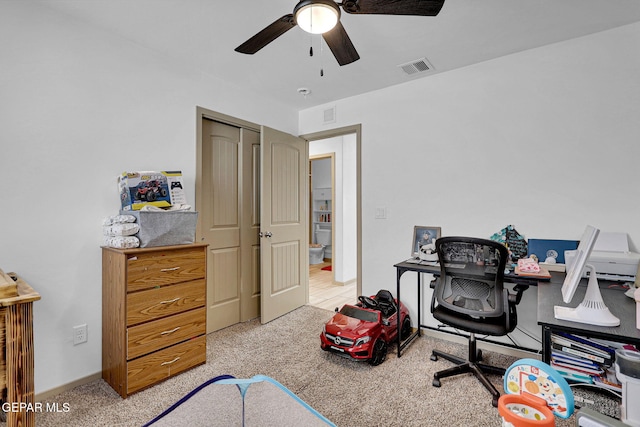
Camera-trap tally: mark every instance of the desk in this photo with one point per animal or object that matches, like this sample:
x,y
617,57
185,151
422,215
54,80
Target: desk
x,y
620,305
403,267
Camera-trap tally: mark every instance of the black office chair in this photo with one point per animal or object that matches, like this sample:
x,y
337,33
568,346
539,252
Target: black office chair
x,y
469,295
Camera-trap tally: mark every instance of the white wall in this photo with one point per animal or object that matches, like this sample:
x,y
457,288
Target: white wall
x,y
345,220
546,140
78,106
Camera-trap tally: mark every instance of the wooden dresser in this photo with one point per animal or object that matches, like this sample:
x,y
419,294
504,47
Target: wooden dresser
x,y
153,314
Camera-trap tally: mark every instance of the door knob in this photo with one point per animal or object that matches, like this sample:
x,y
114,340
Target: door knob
x,y
268,234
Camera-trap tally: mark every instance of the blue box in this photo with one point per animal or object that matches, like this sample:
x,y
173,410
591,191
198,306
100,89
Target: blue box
x,y
544,248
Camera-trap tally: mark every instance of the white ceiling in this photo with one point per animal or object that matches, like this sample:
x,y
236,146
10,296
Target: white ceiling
x,y
204,34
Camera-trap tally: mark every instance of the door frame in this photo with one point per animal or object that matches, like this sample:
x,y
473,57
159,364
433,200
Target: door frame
x,y
332,159
342,131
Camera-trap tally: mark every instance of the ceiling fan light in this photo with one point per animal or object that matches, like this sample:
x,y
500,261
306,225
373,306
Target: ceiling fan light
x,y
317,17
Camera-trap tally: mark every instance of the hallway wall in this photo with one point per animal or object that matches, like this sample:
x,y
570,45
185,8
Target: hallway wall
x,y
344,147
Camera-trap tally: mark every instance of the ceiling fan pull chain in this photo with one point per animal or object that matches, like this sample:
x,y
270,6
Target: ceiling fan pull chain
x,y
310,44
321,58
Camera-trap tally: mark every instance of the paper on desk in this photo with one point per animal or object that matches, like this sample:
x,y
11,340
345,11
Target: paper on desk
x,y
611,242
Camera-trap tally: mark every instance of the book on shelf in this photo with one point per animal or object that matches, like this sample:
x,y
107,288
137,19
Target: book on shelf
x,y
573,375
603,354
588,344
578,368
580,353
568,342
585,360
603,382
575,360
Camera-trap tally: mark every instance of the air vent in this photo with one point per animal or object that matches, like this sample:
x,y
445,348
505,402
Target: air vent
x,y
330,115
415,67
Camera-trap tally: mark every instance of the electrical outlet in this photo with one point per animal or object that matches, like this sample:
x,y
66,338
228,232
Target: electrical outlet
x,y
381,212
79,334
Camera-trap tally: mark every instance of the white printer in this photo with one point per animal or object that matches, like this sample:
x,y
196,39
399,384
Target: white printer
x,y
610,257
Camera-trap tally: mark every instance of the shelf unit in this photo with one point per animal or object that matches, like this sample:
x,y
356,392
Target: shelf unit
x,y
579,358
322,208
16,349
622,306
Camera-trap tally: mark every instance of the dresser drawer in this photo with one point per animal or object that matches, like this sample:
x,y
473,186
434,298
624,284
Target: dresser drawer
x,y
150,369
148,269
161,302
152,336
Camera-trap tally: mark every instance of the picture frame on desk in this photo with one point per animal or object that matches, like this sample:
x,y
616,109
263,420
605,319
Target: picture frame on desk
x,y
424,235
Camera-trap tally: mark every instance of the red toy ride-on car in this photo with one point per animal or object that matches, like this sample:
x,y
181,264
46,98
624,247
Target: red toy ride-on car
x,y
364,331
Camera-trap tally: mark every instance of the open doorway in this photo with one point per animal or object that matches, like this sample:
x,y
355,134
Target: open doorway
x,y
334,221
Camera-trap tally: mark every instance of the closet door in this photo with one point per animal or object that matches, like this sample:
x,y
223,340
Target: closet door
x,y
284,223
220,220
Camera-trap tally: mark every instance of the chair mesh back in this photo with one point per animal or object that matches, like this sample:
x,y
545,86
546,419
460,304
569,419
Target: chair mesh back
x,y
471,276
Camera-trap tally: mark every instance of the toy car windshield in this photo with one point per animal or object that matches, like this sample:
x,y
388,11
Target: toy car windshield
x,y
358,313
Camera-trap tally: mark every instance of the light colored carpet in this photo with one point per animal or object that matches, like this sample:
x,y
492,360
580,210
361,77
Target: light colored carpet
x,y
396,393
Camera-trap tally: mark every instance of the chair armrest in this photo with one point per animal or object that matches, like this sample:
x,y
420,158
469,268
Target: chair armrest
x,y
517,297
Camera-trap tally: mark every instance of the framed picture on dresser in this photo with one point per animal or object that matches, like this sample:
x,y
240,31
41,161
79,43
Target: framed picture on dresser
x,y
423,235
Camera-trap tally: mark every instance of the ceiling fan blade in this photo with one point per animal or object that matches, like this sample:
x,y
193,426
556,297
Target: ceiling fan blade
x,y
340,44
266,36
393,7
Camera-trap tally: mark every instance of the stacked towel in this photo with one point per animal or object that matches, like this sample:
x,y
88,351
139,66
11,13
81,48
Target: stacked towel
x,y
119,230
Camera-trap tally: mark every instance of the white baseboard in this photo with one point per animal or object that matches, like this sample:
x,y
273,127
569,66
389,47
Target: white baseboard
x,y
347,283
57,390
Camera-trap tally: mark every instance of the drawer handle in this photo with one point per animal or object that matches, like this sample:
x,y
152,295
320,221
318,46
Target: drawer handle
x,y
170,301
170,332
170,362
164,270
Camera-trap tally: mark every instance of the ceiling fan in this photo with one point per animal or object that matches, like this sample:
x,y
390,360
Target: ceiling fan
x,y
323,17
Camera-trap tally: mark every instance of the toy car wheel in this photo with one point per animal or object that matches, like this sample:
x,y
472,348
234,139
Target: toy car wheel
x,y
379,353
163,192
406,328
151,196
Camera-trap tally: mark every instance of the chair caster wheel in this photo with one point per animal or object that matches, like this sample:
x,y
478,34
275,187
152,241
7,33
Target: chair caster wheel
x,y
479,357
434,357
436,383
494,402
